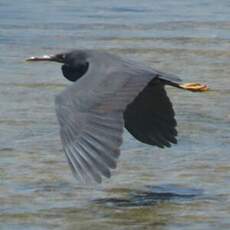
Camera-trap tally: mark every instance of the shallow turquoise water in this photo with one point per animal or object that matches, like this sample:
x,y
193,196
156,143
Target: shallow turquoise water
x,y
184,187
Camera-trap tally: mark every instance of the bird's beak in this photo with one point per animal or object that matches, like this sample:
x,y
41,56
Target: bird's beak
x,y
54,58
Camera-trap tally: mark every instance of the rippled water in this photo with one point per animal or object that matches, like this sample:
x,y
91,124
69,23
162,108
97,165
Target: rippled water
x,y
184,187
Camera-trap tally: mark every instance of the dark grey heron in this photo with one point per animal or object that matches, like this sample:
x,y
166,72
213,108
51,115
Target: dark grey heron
x,y
108,94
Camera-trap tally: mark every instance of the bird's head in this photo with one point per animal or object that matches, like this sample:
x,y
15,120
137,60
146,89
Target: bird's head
x,y
75,63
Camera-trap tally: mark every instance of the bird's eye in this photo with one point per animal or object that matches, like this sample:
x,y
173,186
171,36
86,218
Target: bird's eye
x,y
63,56
60,57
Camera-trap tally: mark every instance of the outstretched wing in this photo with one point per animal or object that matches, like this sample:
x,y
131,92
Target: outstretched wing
x,y
150,117
90,113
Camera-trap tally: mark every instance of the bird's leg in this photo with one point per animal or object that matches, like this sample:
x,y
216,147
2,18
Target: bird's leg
x,y
194,87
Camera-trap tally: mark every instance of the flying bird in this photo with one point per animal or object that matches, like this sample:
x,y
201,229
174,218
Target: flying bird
x,y
109,93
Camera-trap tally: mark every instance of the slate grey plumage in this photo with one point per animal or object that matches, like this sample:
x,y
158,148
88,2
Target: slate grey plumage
x,y
108,94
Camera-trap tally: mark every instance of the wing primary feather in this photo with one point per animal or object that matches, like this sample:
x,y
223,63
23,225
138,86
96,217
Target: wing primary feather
x,y
107,144
95,161
162,126
76,165
167,132
169,137
73,170
76,161
162,139
98,164
88,167
103,154
138,133
153,140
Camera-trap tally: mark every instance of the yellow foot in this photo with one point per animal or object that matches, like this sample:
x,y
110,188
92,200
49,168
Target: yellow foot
x,y
194,87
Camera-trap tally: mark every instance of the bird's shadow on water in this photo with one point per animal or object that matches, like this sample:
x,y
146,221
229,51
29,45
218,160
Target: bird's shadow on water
x,y
152,195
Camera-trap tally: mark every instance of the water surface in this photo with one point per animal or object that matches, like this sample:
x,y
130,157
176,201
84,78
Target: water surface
x,y
184,187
